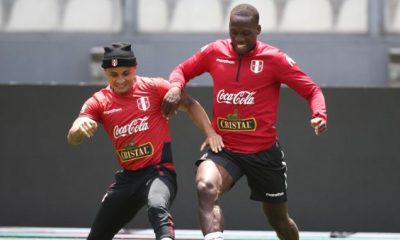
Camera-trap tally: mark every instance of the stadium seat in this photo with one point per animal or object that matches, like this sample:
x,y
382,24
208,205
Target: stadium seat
x,y
28,15
353,16
266,9
395,24
1,15
93,15
197,16
307,16
152,15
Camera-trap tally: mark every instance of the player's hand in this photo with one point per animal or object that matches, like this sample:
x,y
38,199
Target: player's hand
x,y
87,127
319,125
171,101
213,141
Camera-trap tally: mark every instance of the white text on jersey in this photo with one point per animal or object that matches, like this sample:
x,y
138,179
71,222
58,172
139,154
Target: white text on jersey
x,y
137,125
112,111
225,61
241,98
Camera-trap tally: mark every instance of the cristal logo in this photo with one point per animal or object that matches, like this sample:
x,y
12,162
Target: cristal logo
x,y
241,98
137,125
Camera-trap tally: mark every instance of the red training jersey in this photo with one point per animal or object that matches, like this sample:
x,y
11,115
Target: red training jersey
x,y
133,121
246,91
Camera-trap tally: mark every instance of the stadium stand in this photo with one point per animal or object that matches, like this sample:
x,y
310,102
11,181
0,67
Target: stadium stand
x,y
158,10
189,12
28,15
353,16
394,25
93,15
1,14
307,16
267,10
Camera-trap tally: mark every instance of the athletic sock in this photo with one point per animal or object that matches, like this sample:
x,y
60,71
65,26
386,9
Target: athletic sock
x,y
214,236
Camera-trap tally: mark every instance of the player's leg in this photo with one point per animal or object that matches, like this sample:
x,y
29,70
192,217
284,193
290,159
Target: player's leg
x,y
116,210
278,218
160,195
215,175
266,174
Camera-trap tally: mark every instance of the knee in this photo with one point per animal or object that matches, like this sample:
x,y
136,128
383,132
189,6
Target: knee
x,y
156,207
159,215
207,189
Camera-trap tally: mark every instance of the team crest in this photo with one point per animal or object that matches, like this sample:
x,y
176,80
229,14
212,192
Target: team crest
x,y
143,103
114,62
256,66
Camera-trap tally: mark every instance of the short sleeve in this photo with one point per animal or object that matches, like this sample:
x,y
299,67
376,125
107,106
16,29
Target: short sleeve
x,y
162,86
92,109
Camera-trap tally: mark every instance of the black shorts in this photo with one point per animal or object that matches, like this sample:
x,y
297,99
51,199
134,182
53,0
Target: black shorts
x,y
265,171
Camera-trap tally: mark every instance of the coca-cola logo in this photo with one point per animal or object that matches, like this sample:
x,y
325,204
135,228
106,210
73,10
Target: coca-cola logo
x,y
241,98
137,125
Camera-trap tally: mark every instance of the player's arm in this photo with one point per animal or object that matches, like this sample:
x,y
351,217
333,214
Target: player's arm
x,y
171,101
82,127
291,74
200,119
181,74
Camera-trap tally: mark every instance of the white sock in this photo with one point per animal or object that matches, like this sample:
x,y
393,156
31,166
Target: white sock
x,y
214,236
166,238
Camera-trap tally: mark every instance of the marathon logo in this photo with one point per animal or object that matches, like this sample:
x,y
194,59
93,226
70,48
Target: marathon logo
x,y
248,124
131,153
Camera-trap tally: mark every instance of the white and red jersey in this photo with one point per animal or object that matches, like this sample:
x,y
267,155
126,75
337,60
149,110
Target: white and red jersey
x,y
246,91
133,121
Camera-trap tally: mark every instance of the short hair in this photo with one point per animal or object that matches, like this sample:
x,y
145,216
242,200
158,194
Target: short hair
x,y
246,10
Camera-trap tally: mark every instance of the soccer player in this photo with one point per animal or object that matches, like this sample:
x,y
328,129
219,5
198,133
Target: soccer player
x,y
129,109
247,76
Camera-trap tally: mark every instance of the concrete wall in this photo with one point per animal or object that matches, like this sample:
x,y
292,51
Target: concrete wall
x,y
346,180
